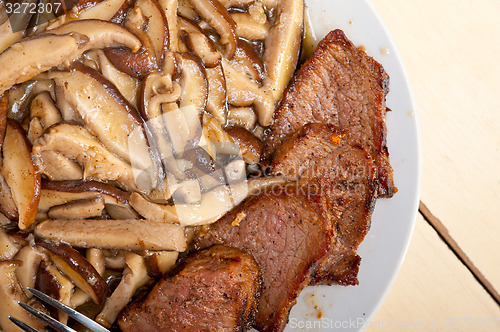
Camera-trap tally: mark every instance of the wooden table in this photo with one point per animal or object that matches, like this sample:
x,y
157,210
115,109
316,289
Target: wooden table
x,y
450,279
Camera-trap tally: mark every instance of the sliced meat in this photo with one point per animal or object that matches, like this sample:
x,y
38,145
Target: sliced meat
x,y
342,86
335,165
212,290
288,233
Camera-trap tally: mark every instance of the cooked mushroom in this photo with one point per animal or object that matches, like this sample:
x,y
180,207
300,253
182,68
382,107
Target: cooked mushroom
x,y
282,47
95,256
4,109
20,173
31,257
51,282
198,42
217,96
160,262
248,61
217,16
43,107
126,84
213,204
56,193
8,36
57,167
68,113
105,112
10,294
236,3
242,91
87,208
76,143
77,268
128,234
8,248
251,147
147,21
241,117
30,57
7,204
170,10
188,191
100,34
250,25
194,87
135,276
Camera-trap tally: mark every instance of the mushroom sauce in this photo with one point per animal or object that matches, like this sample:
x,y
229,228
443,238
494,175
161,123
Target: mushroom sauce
x,y
125,125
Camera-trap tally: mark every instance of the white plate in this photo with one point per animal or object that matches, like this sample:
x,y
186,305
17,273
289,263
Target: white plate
x,y
351,308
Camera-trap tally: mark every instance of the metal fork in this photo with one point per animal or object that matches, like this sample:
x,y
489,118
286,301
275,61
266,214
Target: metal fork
x,y
56,325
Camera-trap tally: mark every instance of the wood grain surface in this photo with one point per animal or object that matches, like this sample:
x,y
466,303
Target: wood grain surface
x,y
451,51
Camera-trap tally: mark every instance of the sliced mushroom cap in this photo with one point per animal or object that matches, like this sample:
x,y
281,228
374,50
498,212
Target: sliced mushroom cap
x,y
56,193
10,294
170,10
217,94
153,33
243,91
282,46
31,257
100,34
108,115
8,248
128,234
7,204
57,167
82,209
43,107
217,16
198,42
4,109
249,28
242,117
76,143
30,57
77,268
134,276
251,147
51,282
21,174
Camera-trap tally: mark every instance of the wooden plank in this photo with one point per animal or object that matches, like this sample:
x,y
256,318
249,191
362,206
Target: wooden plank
x,y
438,226
435,291
451,50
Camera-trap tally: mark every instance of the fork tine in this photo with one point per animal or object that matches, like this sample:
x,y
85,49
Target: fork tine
x,y
55,324
22,325
94,326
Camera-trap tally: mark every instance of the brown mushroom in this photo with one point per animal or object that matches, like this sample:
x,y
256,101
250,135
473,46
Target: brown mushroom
x,y
43,107
159,262
20,173
251,147
31,256
76,143
7,204
57,167
30,57
217,16
198,42
128,234
243,91
82,209
10,294
147,21
4,109
217,94
252,25
241,117
282,46
77,268
8,248
51,282
170,10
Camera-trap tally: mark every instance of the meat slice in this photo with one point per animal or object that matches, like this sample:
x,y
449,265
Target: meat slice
x,y
212,290
335,165
288,233
342,86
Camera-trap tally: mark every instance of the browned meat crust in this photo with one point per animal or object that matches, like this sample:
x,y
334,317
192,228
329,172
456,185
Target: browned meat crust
x,y
213,290
340,169
342,86
289,234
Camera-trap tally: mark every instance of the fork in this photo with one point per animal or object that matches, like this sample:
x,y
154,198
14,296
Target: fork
x,y
56,325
